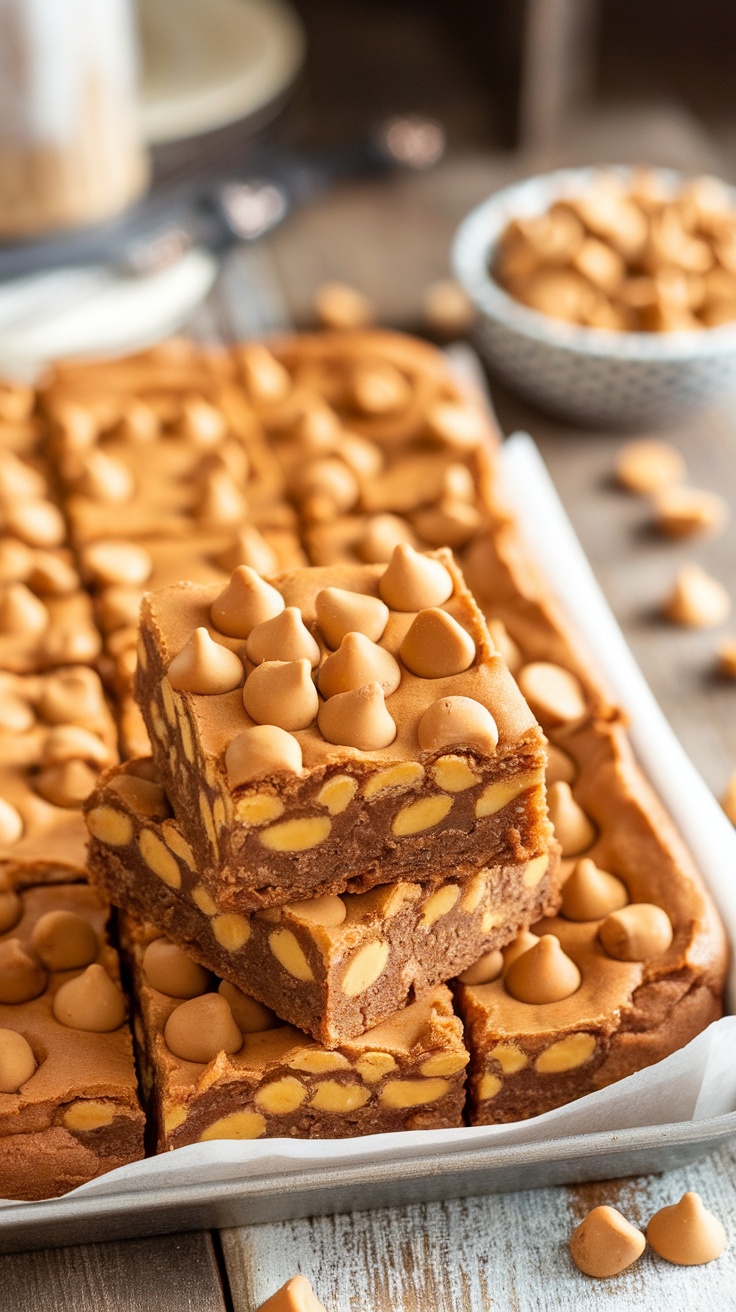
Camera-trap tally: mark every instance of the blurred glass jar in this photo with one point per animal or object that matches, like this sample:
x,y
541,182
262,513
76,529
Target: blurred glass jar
x,y
70,148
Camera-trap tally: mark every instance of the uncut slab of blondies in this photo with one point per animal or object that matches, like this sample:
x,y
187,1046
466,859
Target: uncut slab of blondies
x,y
457,782
220,1066
333,966
69,1110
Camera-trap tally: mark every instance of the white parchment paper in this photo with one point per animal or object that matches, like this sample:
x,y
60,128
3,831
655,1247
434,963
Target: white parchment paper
x,y
700,1079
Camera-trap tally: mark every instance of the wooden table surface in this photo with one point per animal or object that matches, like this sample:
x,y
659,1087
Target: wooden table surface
x,y
504,1252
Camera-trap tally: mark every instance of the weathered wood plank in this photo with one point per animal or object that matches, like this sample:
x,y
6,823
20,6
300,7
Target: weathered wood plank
x,y
178,1273
479,1254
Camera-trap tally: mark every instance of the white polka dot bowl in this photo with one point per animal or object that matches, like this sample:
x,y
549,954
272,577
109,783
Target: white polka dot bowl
x,y
593,376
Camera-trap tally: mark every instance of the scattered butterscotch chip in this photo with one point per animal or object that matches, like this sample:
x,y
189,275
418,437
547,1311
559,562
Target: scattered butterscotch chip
x,y
381,536
649,466
448,310
17,1062
727,657
357,662
683,512
263,749
358,718
572,827
201,1027
697,600
340,306
485,969
636,932
117,562
554,694
605,1243
505,645
686,1233
522,943
246,601
590,893
436,646
296,1295
281,693
249,547
251,1017
560,766
66,784
204,666
285,637
728,801
340,612
412,581
21,975
64,940
542,974
90,1001
379,388
11,823
169,969
458,722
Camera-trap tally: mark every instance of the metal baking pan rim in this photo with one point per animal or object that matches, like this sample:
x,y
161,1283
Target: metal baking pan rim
x,y
191,1206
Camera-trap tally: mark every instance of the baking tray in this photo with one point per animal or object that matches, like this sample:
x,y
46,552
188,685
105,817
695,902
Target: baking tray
x,y
323,1187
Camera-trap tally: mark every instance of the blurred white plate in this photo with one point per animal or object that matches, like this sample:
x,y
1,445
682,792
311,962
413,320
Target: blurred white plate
x,y
206,63
93,311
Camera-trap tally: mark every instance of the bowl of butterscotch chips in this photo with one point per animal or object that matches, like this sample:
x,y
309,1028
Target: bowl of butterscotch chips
x,y
607,295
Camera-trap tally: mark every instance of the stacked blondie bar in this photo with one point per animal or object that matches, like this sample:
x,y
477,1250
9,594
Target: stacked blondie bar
x,y
338,683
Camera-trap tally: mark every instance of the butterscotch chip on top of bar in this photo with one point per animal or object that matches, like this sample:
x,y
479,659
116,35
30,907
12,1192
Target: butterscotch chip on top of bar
x,y
333,966
329,764
221,1066
69,1108
56,735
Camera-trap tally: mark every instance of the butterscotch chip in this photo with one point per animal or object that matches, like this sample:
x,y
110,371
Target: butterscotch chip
x,y
251,1017
283,638
249,547
106,478
264,749
90,1002
11,823
296,1295
554,694
412,581
605,1243
358,662
338,305
572,827
117,562
600,264
220,501
246,601
697,600
542,974
200,1028
17,1062
649,466
38,523
64,940
265,377
636,932
560,766
21,975
357,719
204,666
20,611
328,910
16,715
67,784
522,943
686,1233
72,697
457,722
683,512
169,969
363,457
281,693
340,612
379,388
456,424
485,969
383,533
448,310
16,561
53,575
590,893
727,658
436,646
728,801
327,487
